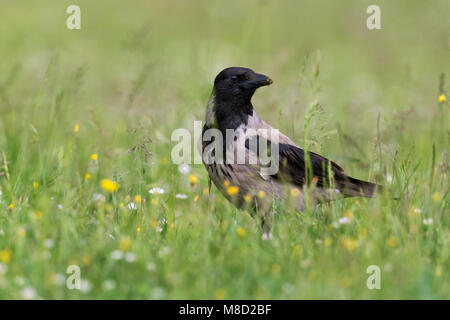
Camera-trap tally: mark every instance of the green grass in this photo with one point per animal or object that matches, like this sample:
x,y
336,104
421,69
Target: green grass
x,y
137,71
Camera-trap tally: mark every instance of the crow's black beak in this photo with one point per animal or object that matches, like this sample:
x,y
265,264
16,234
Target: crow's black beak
x,y
262,80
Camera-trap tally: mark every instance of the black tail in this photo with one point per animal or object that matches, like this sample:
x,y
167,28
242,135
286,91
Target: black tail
x,y
359,188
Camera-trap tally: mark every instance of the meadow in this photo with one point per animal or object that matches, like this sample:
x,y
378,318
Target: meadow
x,y
86,177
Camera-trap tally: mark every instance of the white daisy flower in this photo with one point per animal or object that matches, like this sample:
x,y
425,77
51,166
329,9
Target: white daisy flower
x,y
117,255
130,257
344,220
156,190
132,206
181,196
184,168
428,221
28,293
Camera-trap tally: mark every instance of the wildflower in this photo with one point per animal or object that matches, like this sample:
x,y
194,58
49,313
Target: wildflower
x,y
138,229
132,206
442,98
76,128
181,196
117,255
436,197
414,212
5,256
21,232
196,198
226,183
28,293
261,194
428,221
138,198
220,294
11,206
247,197
240,232
232,190
35,184
184,168
125,244
49,243
205,191
295,193
130,257
37,214
193,179
156,191
98,197
349,243
85,286
109,185
344,220
389,178
109,285
276,268
87,176
94,157
348,214
391,242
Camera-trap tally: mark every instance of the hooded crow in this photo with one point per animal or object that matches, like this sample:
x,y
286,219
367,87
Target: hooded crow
x,y
235,141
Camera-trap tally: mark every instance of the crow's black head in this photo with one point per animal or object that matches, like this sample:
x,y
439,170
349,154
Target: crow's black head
x,y
238,84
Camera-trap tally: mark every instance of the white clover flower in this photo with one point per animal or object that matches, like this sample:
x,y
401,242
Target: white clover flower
x,y
49,243
156,190
117,255
85,286
130,257
59,279
184,168
181,196
150,266
28,293
59,206
109,285
428,221
98,197
132,206
344,220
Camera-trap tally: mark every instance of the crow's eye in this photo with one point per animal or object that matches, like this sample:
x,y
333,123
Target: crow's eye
x,y
234,78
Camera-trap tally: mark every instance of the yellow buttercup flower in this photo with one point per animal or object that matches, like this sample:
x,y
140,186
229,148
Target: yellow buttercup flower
x,y
295,193
436,197
240,232
349,243
392,242
35,184
94,156
87,176
348,214
109,185
261,194
11,206
5,256
125,243
37,214
138,229
442,98
247,198
196,198
232,190
276,268
193,179
76,128
138,198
